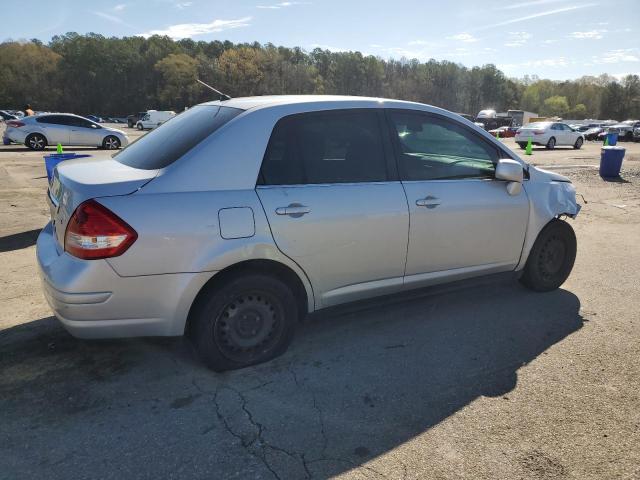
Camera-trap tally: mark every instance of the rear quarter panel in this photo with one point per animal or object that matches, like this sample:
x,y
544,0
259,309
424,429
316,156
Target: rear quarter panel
x,y
180,233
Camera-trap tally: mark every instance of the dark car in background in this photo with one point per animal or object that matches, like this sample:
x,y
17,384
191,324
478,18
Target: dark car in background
x,y
592,133
5,115
134,118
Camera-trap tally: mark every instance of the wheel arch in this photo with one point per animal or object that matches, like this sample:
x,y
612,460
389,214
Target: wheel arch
x,y
274,268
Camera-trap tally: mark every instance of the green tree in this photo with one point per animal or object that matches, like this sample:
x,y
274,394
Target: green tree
x,y
555,106
179,88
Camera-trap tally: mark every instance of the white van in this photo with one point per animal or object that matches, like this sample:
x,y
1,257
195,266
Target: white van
x,y
154,118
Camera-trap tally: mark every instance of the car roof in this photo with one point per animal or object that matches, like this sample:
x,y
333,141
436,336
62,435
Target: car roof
x,y
248,103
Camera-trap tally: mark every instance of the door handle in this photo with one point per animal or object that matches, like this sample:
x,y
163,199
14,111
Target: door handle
x,y
429,201
294,210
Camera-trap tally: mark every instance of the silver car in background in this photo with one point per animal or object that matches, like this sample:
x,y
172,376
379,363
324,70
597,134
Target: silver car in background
x,y
235,219
36,132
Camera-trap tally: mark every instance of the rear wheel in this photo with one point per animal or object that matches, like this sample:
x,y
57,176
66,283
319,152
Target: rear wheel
x,y
551,258
129,123
522,145
578,144
248,320
551,144
628,137
111,143
35,141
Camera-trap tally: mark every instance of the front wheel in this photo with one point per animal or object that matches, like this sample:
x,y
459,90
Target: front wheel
x,y
551,144
111,143
551,258
578,144
140,127
248,320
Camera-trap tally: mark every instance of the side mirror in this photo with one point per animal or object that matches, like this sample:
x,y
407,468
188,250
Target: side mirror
x,y
512,172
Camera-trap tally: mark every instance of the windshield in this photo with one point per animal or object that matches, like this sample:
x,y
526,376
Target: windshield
x,y
164,145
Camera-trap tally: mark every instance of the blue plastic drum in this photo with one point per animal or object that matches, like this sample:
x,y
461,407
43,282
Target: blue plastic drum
x,y
50,161
611,161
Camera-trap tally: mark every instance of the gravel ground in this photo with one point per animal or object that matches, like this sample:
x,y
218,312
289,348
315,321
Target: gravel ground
x,y
483,382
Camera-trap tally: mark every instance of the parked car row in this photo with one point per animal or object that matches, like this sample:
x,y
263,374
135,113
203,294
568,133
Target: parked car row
x,y
150,119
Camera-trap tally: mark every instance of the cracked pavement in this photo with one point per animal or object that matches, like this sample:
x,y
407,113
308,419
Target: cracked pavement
x,y
490,381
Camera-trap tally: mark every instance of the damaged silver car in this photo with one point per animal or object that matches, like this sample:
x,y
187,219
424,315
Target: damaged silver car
x,y
233,220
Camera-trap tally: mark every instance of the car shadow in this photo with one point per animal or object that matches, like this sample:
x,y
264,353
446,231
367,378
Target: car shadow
x,y
18,241
354,385
617,179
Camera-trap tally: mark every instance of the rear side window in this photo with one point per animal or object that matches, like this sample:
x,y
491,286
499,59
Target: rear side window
x,y
327,147
164,145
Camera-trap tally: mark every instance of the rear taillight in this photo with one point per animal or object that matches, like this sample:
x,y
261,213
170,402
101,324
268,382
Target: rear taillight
x,y
15,123
95,232
518,132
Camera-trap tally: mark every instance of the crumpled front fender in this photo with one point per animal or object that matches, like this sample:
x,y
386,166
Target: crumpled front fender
x,y
550,195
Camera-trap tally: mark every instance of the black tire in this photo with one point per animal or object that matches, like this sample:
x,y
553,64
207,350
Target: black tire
x,y
522,145
111,142
35,141
578,144
551,258
249,319
551,144
129,123
140,127
628,137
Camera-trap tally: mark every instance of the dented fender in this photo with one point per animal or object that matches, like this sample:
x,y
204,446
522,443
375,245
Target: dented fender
x,y
550,195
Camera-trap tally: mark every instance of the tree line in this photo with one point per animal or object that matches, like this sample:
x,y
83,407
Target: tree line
x,y
93,74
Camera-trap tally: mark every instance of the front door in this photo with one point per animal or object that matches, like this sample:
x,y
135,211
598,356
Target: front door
x,y
84,132
334,204
463,221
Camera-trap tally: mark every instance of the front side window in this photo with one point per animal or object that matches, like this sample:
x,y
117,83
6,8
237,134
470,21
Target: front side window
x,y
434,148
326,147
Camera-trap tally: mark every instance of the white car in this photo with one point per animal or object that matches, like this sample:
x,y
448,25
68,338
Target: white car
x,y
36,132
154,118
549,135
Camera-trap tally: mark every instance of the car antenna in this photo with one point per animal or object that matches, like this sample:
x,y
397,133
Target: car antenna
x,y
223,96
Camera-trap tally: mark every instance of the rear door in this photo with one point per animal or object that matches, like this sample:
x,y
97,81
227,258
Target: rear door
x,y
54,129
463,220
329,188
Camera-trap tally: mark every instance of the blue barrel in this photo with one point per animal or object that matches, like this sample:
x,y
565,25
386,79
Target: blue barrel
x,y
50,161
613,138
611,161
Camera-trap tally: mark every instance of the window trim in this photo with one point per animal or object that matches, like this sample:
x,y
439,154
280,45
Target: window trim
x,y
387,149
500,153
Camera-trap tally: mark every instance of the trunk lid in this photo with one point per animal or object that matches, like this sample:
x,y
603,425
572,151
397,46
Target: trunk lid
x,y
75,181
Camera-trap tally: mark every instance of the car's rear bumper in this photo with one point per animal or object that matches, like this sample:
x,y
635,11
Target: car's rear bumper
x,y
92,301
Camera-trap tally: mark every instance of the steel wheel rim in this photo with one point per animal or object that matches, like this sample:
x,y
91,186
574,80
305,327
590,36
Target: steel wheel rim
x,y
249,327
552,257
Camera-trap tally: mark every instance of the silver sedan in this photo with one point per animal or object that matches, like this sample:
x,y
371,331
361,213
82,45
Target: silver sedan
x,y
38,131
233,220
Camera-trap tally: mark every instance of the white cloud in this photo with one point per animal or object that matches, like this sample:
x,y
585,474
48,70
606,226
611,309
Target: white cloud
x,y
111,18
526,4
517,39
463,37
328,47
120,7
536,15
188,30
278,6
622,55
590,34
183,5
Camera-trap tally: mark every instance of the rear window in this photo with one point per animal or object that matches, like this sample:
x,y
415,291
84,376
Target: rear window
x,y
164,145
537,125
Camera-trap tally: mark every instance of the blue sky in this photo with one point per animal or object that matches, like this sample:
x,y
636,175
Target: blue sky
x,y
556,39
